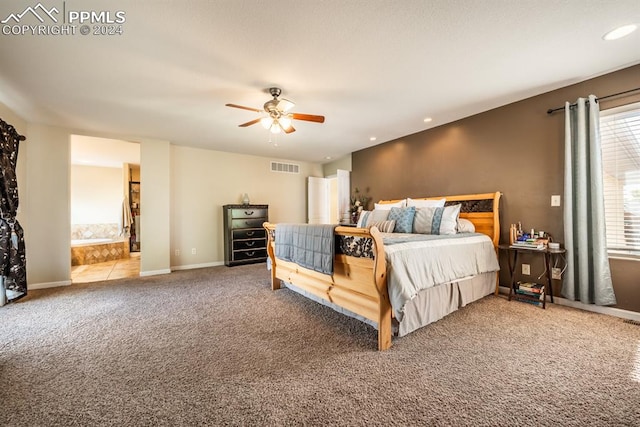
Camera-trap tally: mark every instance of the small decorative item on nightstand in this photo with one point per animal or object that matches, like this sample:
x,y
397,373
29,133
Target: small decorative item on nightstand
x,y
359,202
245,199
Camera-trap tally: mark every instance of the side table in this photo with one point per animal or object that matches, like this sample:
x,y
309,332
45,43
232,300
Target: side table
x,y
548,254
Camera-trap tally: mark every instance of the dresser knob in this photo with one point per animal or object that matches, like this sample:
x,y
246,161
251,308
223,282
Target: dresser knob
x,y
248,213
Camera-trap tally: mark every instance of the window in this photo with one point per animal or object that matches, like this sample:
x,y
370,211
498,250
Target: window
x,y
620,135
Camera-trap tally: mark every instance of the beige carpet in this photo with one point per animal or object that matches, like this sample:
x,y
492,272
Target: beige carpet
x,y
217,347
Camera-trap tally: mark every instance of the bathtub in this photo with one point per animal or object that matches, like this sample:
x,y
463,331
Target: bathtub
x,y
91,251
85,242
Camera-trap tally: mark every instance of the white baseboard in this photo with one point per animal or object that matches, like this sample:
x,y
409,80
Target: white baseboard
x,y
611,311
155,272
46,285
192,266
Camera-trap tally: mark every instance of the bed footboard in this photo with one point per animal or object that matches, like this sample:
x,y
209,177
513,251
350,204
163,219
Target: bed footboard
x,y
358,282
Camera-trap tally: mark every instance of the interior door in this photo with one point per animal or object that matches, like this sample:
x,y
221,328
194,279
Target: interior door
x,y
318,202
344,197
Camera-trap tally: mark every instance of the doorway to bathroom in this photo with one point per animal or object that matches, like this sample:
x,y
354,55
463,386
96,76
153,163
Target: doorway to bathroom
x,y
105,209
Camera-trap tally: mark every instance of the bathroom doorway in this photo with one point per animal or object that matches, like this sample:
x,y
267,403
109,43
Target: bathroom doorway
x,y
103,228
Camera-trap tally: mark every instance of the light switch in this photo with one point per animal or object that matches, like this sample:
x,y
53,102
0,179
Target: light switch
x,y
555,200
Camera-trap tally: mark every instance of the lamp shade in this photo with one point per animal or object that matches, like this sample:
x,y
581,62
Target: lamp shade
x,y
266,122
285,121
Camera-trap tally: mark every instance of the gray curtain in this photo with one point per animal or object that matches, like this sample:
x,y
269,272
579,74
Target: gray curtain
x,y
588,277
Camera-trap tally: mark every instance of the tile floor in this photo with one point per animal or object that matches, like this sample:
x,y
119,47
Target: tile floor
x,y
109,270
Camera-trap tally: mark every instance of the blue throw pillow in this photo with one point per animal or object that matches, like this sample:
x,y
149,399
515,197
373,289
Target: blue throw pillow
x,y
403,218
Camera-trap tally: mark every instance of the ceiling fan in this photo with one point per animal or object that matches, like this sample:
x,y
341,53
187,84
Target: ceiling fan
x,y
277,116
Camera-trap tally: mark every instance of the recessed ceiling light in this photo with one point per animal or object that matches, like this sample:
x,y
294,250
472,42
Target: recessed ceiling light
x,y
327,158
427,119
620,32
373,138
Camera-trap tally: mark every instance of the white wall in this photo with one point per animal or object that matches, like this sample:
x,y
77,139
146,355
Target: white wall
x,y
202,181
47,229
331,168
183,191
155,203
96,195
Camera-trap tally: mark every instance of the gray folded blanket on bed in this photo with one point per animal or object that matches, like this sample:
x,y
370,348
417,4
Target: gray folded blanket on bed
x,y
310,246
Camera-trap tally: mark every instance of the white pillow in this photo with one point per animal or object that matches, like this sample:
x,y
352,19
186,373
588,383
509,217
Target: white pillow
x,y
388,206
366,218
437,203
436,220
465,226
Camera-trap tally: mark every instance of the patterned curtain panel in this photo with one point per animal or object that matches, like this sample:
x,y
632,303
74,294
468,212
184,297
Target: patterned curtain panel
x,y
13,280
588,277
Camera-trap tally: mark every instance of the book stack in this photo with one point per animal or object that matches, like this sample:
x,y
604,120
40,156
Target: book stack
x,y
536,244
535,292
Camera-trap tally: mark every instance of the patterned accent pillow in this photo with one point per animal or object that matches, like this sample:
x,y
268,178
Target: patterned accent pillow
x,y
383,226
403,218
437,220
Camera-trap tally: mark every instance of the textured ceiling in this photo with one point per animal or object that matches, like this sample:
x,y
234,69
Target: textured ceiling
x,y
373,68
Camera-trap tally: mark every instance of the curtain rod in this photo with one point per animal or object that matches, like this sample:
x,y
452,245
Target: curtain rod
x,y
553,110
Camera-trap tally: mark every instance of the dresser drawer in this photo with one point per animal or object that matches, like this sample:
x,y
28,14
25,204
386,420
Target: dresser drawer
x,y
247,223
249,244
250,233
250,254
249,213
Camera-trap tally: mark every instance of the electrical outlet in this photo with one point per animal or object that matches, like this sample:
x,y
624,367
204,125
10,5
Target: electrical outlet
x,y
193,251
177,252
555,200
526,269
556,273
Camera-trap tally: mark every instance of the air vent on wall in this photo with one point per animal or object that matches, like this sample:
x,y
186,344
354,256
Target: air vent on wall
x,y
285,167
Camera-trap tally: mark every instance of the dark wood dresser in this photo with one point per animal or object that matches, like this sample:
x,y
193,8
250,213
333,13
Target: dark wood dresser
x,y
245,241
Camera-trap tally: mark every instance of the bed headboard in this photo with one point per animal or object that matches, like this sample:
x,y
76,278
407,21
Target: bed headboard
x,y
483,210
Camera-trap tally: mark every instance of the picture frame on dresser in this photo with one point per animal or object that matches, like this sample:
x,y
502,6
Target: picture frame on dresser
x,y
245,239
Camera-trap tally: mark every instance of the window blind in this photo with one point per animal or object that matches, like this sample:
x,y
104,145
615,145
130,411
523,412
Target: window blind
x,y
620,137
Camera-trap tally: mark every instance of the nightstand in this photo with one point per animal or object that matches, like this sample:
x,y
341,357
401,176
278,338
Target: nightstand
x,y
549,256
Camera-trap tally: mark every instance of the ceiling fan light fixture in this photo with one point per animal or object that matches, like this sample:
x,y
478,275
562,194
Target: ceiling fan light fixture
x,y
285,105
275,116
285,121
266,122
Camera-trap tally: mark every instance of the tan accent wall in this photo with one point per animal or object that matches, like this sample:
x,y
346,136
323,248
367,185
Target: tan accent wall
x,y
517,149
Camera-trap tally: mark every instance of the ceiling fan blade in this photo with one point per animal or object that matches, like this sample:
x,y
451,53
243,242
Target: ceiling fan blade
x,y
290,129
244,108
308,117
285,105
252,122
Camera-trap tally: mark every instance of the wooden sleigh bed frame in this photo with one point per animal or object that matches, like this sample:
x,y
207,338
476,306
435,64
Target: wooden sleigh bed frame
x,y
359,284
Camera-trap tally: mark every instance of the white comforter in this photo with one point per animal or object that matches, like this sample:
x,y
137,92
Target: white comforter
x,y
416,262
